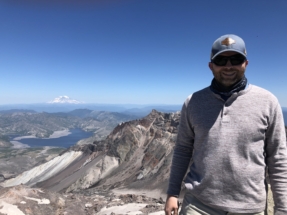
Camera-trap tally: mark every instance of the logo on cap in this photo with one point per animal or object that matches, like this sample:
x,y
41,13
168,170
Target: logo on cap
x,y
228,41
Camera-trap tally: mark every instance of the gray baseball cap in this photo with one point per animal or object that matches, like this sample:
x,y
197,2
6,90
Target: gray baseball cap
x,y
228,42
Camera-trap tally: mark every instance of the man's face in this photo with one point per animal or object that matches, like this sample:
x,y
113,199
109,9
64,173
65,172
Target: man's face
x,y
229,74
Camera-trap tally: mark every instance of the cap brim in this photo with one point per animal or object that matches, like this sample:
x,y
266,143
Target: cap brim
x,y
227,50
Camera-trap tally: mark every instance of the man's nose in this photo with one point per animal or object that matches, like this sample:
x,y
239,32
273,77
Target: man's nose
x,y
228,64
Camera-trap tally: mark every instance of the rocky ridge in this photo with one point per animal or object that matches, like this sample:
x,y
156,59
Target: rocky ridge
x,y
136,155
135,152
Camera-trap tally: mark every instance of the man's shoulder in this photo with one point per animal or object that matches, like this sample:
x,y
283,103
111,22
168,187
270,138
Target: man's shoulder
x,y
259,91
199,93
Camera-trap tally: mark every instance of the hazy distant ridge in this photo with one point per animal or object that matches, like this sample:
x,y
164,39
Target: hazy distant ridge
x,y
22,123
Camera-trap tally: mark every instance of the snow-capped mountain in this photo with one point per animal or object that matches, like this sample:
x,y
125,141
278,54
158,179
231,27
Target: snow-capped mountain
x,y
64,100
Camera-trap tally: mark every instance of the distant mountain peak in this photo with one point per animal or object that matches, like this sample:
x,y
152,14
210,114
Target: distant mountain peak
x,y
64,100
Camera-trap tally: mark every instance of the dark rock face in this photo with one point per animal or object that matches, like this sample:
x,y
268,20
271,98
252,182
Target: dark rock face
x,y
144,148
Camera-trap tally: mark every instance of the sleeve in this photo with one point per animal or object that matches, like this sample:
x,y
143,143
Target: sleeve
x,y
182,153
276,158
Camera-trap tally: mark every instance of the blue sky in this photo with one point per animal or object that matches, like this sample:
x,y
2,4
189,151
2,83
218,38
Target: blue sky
x,y
133,52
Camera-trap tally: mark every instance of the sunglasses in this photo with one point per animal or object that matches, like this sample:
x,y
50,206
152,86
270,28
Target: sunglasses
x,y
235,60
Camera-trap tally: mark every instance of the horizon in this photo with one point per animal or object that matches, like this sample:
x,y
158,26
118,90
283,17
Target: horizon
x,y
85,103
125,105
133,52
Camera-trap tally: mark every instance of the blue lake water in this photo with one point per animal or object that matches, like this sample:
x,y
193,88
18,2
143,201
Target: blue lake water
x,y
285,117
64,142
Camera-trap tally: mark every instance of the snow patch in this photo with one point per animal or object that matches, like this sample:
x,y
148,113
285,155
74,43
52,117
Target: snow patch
x,y
64,100
141,128
88,205
40,201
9,209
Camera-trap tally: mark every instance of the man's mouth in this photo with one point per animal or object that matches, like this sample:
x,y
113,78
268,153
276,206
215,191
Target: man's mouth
x,y
229,74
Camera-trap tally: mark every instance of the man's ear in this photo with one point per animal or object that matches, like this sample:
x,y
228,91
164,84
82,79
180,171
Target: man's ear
x,y
246,63
210,65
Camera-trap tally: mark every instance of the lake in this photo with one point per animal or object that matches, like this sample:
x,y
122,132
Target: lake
x,y
64,142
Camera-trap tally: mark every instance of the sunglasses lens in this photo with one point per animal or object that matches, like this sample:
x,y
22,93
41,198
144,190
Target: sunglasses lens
x,y
234,60
237,60
220,60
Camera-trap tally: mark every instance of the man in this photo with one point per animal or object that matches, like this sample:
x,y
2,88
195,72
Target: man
x,y
231,131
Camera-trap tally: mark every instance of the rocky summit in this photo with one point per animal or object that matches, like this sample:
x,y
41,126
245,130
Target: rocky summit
x,y
136,155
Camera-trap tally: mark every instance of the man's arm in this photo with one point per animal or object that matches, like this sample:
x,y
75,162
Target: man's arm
x,y
276,158
181,159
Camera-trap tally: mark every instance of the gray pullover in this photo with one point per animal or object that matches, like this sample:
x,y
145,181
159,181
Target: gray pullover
x,y
231,143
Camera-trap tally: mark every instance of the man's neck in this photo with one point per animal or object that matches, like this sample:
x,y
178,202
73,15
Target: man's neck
x,y
224,91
